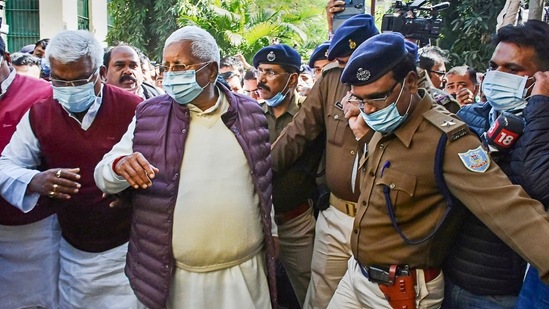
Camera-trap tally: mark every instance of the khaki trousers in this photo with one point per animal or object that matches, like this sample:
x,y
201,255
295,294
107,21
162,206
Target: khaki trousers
x,y
332,250
296,250
356,291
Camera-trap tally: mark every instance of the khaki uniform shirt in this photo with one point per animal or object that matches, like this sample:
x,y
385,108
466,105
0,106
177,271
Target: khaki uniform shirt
x,y
404,162
295,185
322,113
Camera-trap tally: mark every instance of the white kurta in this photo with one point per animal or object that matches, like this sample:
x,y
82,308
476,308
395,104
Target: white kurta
x,y
29,264
217,236
95,280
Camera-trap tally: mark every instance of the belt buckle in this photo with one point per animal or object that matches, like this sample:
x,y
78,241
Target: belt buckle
x,y
350,208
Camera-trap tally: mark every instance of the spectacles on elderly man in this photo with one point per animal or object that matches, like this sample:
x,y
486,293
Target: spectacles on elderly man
x,y
377,103
72,83
178,67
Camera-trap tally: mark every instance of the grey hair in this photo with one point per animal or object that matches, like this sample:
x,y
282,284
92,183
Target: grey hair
x,y
72,45
203,46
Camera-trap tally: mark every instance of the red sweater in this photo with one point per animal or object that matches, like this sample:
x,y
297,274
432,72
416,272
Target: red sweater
x,y
87,222
21,94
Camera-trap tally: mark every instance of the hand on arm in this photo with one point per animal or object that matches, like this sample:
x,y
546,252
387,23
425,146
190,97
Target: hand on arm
x,y
56,183
137,171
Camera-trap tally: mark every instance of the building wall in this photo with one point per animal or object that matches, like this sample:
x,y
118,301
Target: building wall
x,y
58,15
51,22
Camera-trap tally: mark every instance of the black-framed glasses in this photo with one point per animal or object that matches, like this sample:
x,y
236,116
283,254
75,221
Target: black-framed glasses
x,y
378,103
227,75
269,74
439,73
72,83
178,67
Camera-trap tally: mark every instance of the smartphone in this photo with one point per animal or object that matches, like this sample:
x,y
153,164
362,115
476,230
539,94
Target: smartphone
x,y
352,8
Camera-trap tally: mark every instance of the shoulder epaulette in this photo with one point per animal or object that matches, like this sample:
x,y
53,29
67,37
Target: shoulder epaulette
x,y
454,128
330,66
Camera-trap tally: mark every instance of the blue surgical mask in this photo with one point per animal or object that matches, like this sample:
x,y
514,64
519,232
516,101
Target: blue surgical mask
x,y
182,86
76,99
505,91
279,97
386,120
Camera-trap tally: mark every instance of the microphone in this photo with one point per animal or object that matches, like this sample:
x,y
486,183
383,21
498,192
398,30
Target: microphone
x,y
505,131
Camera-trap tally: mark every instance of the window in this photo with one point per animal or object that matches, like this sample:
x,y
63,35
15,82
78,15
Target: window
x,y
24,20
83,15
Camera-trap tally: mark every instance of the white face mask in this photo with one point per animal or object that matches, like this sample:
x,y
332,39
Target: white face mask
x,y
505,91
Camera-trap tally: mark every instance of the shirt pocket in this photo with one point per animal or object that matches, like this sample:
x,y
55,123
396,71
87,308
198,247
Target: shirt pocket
x,y
336,125
401,189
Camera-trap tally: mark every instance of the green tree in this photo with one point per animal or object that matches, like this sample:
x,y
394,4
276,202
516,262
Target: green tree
x,y
238,26
468,28
143,23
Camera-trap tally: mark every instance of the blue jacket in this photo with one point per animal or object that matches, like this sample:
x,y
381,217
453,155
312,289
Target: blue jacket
x,y
480,262
530,158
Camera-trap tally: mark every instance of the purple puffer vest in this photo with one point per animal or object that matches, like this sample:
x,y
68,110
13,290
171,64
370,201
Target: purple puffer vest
x,y
160,134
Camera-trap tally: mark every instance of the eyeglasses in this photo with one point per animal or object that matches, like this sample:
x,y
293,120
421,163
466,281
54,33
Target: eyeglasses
x,y
250,92
72,83
378,103
228,75
439,73
269,74
178,67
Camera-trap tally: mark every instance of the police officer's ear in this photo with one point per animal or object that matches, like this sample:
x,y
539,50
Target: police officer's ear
x,y
293,80
410,82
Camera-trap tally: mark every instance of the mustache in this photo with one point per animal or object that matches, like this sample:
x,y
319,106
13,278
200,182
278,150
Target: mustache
x,y
264,86
127,77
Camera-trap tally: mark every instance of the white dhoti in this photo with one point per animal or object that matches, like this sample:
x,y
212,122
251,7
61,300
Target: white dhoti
x,y
95,280
29,264
243,286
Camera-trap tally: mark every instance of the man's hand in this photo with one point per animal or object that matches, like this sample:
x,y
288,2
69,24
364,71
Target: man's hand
x,y
60,183
137,171
121,200
352,114
333,7
464,96
542,84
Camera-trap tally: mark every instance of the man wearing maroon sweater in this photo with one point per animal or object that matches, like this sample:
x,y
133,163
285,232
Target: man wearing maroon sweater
x,y
50,161
29,243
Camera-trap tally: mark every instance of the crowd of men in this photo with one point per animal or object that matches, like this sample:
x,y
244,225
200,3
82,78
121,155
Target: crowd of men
x,y
368,177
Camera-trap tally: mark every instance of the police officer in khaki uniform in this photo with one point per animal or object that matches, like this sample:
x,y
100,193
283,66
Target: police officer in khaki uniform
x,y
322,113
277,68
404,226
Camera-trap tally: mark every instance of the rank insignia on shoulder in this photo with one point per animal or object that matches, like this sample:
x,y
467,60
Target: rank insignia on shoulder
x,y
339,105
476,160
452,127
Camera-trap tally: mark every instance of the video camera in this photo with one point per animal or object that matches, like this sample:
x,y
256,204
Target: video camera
x,y
414,25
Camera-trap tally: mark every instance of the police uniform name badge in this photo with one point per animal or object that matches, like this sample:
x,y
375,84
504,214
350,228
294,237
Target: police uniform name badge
x,y
476,160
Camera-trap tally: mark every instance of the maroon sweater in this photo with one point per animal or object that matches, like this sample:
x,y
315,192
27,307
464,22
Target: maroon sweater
x,y
21,94
87,222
